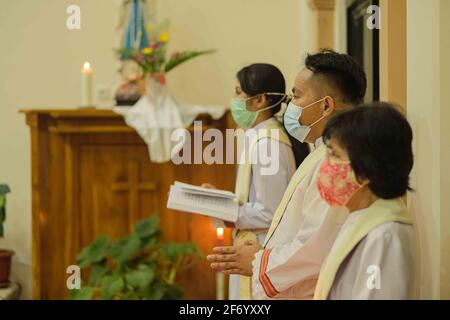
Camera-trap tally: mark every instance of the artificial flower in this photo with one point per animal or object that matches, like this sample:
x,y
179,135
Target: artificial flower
x,y
164,37
147,51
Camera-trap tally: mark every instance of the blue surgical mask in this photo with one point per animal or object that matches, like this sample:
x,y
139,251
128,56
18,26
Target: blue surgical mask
x,y
292,121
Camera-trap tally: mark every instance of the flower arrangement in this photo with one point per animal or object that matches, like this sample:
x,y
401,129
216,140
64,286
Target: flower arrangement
x,y
153,57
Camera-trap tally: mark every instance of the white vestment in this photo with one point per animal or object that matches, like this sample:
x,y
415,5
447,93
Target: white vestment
x,y
381,266
289,265
265,193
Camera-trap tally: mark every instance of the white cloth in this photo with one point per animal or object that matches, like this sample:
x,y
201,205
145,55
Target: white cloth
x,y
296,250
386,253
265,194
157,115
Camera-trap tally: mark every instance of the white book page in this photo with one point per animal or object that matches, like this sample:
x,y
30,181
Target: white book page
x,y
205,191
218,207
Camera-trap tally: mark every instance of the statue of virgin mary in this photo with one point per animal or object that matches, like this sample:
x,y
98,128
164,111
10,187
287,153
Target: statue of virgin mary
x,y
157,114
133,18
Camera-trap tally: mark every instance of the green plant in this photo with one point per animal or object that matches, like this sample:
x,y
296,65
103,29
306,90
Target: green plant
x,y
4,189
152,59
137,266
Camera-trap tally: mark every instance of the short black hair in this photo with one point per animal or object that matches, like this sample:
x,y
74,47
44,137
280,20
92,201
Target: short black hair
x,y
378,140
342,72
261,78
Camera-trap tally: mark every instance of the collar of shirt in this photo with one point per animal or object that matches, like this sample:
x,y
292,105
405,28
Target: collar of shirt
x,y
253,131
264,123
352,217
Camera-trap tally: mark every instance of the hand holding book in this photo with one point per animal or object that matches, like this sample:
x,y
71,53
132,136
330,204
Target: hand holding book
x,y
210,202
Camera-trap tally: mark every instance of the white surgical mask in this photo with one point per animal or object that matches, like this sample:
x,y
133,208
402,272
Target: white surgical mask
x,y
292,121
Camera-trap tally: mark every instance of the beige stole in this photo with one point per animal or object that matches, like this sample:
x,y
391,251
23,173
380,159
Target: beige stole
x,y
242,191
303,170
381,211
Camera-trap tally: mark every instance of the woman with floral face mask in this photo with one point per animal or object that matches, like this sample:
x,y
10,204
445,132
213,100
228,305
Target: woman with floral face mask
x,y
367,171
259,93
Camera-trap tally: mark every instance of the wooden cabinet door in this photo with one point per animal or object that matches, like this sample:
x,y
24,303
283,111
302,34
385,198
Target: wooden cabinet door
x,y
92,175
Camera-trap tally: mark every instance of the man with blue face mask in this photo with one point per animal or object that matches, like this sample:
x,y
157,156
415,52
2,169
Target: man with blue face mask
x,y
288,264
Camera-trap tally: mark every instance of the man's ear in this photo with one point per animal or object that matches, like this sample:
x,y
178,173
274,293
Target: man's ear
x,y
329,106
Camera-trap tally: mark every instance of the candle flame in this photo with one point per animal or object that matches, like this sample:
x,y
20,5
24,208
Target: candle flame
x,y
219,232
86,65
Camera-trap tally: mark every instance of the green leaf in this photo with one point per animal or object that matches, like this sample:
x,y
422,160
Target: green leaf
x,y
155,292
95,252
174,250
147,227
182,57
97,271
4,189
85,293
131,295
172,293
152,241
141,277
125,248
111,286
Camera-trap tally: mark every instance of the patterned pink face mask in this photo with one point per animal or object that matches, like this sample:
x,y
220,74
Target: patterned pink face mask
x,y
337,182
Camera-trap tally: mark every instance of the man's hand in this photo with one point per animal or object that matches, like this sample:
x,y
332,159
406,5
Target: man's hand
x,y
234,260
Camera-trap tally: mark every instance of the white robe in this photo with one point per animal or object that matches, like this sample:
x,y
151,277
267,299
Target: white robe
x,y
381,266
295,252
265,194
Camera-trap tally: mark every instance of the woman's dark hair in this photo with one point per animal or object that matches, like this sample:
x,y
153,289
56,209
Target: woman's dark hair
x,y
259,78
341,71
377,138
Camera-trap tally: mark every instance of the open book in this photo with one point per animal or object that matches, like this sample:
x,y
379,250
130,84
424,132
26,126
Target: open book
x,y
209,202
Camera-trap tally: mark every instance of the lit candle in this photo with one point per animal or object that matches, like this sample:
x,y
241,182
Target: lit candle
x,y
86,85
219,232
220,277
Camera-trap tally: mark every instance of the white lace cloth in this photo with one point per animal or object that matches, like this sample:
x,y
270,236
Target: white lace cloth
x,y
158,114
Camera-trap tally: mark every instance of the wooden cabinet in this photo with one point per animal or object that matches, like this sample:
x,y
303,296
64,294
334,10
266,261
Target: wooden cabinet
x,y
91,175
